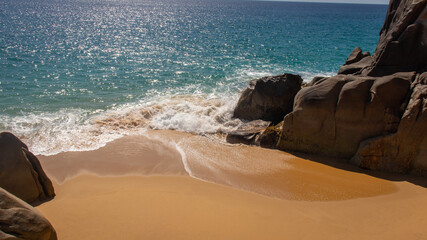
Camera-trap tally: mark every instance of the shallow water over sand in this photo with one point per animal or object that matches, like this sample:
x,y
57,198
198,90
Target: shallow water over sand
x,y
263,171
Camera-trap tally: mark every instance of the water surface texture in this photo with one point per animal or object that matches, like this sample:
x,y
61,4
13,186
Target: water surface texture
x,y
77,74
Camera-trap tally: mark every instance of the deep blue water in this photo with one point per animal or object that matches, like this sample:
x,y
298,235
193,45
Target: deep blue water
x,y
65,66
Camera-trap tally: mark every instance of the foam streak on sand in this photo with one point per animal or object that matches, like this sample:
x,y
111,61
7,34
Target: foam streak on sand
x,y
183,159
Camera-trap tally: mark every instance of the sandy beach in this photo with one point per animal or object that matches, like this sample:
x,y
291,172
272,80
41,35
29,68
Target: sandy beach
x,y
173,185
117,118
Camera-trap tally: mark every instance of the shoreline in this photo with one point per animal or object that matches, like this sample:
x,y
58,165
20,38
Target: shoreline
x,y
183,182
134,199
268,172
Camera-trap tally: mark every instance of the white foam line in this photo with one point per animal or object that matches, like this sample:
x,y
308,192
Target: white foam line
x,y
184,159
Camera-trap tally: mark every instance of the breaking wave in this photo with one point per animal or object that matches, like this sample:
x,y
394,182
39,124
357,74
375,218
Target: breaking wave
x,y
80,130
74,129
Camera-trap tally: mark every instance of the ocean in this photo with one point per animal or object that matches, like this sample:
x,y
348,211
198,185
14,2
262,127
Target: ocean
x,y
76,74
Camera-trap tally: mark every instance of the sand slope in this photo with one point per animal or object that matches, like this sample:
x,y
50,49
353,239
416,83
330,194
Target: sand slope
x,y
264,194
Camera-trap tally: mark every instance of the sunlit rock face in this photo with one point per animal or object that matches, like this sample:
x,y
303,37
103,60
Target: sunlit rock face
x,y
405,150
334,116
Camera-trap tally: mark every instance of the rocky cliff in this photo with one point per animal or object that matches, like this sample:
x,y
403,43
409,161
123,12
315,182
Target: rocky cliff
x,y
402,46
374,111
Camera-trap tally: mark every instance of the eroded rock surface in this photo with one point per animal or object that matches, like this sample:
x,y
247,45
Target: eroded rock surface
x,y
20,221
334,116
20,171
402,46
374,111
248,133
405,150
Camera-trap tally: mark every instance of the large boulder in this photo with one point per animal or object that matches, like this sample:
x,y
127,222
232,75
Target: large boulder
x,y
20,171
335,115
402,46
268,98
405,150
20,221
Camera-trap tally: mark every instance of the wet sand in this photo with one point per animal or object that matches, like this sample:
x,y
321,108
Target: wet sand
x,y
172,185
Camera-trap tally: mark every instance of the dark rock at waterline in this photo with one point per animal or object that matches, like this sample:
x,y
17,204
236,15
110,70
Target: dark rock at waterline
x,y
334,116
270,136
248,133
20,171
268,98
405,150
18,220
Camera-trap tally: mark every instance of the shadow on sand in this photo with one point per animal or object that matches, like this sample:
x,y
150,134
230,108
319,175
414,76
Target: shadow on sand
x,y
343,164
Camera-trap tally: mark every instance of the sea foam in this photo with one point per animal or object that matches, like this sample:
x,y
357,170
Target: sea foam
x,y
82,130
75,129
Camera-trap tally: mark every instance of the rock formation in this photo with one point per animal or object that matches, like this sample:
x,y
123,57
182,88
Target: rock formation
x,y
20,171
374,111
334,116
268,98
18,220
405,150
248,133
356,62
402,46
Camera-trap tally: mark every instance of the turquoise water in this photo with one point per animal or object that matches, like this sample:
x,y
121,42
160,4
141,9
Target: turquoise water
x,y
77,74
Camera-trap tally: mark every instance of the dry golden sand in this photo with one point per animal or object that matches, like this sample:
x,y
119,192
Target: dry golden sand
x,y
138,188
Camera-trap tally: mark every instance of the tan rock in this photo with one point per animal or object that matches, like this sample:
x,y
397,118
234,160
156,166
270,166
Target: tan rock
x,y
405,150
334,116
356,67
